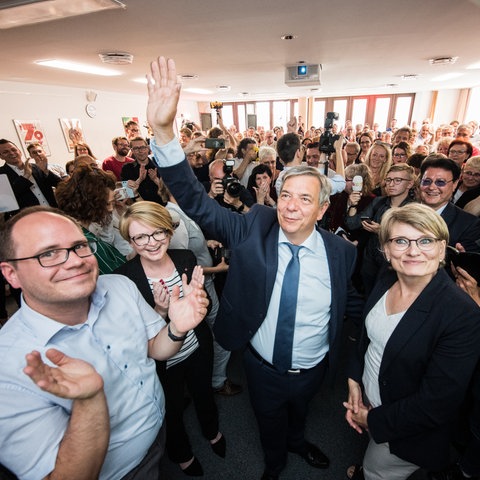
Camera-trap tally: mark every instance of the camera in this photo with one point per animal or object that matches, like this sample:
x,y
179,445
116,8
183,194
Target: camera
x,y
328,138
230,183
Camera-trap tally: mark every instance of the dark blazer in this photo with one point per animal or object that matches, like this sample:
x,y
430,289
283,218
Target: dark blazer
x,y
253,241
184,261
21,186
463,227
425,370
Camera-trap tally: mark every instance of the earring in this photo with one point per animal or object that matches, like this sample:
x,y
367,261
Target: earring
x,y
388,260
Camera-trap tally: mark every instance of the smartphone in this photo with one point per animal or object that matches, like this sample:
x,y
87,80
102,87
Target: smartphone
x,y
469,261
129,192
214,143
364,218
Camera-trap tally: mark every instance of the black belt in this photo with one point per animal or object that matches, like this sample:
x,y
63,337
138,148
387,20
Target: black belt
x,y
294,371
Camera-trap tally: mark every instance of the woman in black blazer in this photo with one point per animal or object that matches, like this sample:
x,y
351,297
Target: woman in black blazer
x,y
417,352
148,228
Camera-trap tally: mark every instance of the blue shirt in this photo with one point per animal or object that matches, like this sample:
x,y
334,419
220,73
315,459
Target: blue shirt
x,y
114,339
310,340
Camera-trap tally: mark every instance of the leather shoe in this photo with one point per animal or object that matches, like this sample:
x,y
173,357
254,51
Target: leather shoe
x,y
228,389
313,456
268,476
194,469
219,447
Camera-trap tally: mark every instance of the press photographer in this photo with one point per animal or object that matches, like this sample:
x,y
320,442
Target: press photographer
x,y
226,188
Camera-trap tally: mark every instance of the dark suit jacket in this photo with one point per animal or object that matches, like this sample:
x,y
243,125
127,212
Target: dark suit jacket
x,y
463,227
21,186
253,240
184,261
425,370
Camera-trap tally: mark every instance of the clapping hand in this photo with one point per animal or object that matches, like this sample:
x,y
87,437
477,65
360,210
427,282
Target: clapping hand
x,y
187,312
71,378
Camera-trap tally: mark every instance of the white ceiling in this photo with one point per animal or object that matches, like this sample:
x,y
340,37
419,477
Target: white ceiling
x,y
362,45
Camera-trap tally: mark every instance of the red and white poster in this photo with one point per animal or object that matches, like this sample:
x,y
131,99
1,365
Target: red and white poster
x,y
31,131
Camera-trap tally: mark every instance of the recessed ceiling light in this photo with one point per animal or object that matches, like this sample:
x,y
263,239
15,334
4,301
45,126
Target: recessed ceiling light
x,y
78,67
289,36
391,85
224,88
447,76
443,60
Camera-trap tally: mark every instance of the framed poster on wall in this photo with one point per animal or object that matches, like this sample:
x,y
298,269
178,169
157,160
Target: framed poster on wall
x,y
72,132
31,131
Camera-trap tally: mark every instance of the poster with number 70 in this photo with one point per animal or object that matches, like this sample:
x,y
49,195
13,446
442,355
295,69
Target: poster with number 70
x,y
31,131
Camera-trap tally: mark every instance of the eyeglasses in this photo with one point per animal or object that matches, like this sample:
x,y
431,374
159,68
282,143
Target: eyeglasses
x,y
402,244
399,155
471,174
143,147
457,152
396,180
426,182
57,256
144,238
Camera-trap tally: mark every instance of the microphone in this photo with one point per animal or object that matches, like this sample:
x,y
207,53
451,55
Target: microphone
x,y
357,183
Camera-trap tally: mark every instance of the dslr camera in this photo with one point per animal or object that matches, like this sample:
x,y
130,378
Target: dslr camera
x,y
328,138
231,184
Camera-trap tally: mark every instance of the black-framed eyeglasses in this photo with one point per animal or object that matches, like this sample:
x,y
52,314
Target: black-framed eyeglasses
x,y
142,148
424,244
396,180
57,256
426,182
144,238
399,155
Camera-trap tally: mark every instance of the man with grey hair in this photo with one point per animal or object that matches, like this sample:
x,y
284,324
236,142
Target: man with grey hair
x,y
295,278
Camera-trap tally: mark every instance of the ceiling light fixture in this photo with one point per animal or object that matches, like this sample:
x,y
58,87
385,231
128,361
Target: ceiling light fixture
x,y
289,36
16,13
224,88
78,67
443,60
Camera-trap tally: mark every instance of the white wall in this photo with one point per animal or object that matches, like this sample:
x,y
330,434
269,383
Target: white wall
x,y
21,101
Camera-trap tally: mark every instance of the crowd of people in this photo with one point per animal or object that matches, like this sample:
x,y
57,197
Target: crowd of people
x,y
263,244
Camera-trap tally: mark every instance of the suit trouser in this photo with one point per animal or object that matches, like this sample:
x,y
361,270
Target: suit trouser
x,y
196,373
280,403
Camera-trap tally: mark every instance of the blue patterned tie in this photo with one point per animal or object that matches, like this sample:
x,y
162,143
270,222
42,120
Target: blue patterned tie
x,y
282,348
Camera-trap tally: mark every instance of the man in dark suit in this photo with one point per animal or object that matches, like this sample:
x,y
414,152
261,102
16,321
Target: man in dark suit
x,y
439,179
31,184
252,306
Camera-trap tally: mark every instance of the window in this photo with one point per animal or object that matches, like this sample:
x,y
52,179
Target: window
x,y
359,111
382,105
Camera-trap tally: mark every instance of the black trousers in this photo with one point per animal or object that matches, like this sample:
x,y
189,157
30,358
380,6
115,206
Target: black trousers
x,y
195,372
280,403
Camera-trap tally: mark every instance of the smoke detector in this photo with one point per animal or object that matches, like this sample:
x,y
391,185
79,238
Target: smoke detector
x,y
116,58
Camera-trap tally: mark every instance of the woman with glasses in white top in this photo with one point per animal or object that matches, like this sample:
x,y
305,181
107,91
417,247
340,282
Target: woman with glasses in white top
x,y
416,354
